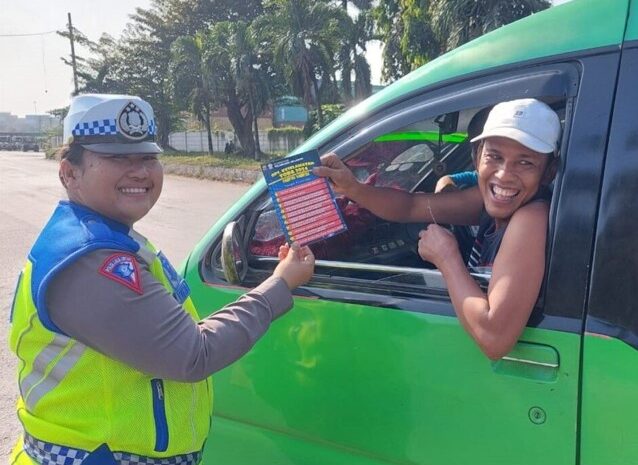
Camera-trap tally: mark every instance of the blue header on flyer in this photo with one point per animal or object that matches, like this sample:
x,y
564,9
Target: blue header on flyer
x,y
287,172
304,203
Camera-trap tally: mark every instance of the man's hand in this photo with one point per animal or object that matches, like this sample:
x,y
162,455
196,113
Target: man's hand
x,y
296,265
437,244
340,176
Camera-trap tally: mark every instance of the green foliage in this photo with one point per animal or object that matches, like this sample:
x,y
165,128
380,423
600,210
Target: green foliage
x,y
287,131
417,31
239,77
459,21
217,159
291,135
59,113
330,113
188,78
357,32
304,36
212,159
202,55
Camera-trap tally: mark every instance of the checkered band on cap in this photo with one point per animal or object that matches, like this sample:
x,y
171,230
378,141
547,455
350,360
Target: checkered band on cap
x,y
103,127
151,127
51,454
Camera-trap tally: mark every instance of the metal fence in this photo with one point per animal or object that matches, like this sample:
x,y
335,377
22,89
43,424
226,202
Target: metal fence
x,y
197,141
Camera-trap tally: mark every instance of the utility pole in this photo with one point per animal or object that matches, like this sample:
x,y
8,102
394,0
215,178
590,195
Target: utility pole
x,y
75,74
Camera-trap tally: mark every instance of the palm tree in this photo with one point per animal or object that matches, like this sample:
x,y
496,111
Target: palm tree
x,y
188,75
304,36
417,31
252,71
237,77
390,29
357,32
459,21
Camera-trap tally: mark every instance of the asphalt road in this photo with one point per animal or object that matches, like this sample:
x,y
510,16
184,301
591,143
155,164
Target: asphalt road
x,y
29,190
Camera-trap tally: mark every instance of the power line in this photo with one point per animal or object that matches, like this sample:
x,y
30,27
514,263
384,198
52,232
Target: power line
x,y
26,35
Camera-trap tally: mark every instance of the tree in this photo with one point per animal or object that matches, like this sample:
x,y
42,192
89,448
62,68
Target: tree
x,y
254,74
356,33
95,73
235,74
304,35
358,30
417,31
144,61
390,30
459,21
188,77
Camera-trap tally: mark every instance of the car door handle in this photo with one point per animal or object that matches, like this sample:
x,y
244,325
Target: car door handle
x,y
539,362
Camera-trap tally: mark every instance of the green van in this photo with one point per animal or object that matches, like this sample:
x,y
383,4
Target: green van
x,y
372,366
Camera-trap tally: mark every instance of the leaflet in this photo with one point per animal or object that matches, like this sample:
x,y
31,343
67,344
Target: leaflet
x,y
304,202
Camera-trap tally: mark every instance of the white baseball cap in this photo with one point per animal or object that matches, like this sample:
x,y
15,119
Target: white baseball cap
x,y
528,121
114,124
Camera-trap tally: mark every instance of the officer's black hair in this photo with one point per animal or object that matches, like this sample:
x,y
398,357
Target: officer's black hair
x,y
72,152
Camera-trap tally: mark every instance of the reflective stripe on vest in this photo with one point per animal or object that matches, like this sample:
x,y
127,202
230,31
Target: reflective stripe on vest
x,y
64,353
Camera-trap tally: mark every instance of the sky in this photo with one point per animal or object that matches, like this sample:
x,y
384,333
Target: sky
x,y
33,79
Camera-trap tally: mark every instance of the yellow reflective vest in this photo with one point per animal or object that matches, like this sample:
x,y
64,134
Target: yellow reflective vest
x,y
77,399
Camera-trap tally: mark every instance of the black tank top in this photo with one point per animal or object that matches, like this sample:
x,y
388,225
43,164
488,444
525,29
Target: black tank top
x,y
488,239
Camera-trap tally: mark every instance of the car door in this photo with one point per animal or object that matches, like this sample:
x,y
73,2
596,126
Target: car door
x,y
372,366
610,352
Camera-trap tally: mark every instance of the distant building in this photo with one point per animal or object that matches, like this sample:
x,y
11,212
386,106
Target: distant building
x,y
34,124
289,111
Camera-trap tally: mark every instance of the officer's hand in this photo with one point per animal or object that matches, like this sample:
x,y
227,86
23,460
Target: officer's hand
x,y
340,176
296,265
437,244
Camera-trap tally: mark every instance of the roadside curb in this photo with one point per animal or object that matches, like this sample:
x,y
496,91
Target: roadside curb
x,y
213,173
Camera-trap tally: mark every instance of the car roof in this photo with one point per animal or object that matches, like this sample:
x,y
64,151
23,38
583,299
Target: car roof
x,y
572,27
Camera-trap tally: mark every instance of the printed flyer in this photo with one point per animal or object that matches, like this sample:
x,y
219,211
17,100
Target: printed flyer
x,y
305,203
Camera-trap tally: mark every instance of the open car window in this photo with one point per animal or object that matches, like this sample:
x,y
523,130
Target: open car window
x,y
373,256
411,159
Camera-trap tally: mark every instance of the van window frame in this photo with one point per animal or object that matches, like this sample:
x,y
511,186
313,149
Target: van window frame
x,y
558,80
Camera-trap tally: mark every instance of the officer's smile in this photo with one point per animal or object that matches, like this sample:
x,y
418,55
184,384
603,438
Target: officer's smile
x,y
133,190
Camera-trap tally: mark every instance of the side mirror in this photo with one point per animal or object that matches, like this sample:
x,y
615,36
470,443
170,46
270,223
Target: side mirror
x,y
233,256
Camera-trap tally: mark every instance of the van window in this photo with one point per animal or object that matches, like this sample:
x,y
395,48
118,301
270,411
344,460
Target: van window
x,y
410,159
375,255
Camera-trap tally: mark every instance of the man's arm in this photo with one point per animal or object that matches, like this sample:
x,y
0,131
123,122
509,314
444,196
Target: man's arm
x,y
463,207
495,320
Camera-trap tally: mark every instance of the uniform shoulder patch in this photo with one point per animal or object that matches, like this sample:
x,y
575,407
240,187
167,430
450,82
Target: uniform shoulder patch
x,y
124,269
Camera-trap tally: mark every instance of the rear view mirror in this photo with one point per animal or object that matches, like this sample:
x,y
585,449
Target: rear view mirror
x,y
233,256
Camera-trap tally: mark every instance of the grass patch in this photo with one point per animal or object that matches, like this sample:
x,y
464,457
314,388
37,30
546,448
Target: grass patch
x,y
216,159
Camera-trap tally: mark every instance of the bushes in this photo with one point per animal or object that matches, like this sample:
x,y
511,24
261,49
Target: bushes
x,y
330,113
285,139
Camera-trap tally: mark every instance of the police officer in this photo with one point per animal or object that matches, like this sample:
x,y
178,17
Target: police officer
x,y
114,366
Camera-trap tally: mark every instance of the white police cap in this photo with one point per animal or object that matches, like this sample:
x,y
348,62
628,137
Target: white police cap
x,y
117,124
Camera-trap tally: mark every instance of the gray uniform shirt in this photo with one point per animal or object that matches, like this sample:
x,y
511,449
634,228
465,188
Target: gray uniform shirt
x,y
151,331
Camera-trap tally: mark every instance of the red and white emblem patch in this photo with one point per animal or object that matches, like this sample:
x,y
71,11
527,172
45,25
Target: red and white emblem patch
x,y
123,268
